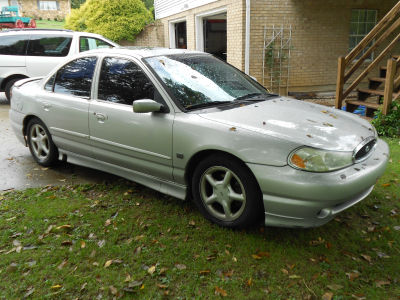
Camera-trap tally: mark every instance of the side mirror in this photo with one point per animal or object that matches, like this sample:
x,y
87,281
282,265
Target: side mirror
x,y
147,106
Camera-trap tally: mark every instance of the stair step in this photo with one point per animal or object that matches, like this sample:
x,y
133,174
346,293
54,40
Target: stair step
x,y
378,79
366,104
372,92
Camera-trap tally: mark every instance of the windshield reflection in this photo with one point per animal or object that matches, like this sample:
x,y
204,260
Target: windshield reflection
x,y
196,79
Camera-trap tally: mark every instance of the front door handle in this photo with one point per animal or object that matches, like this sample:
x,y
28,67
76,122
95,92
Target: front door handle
x,y
46,106
100,117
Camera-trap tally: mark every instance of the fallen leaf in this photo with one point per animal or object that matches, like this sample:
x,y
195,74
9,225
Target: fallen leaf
x,y
380,283
294,277
366,257
66,243
220,292
192,223
56,287
151,270
108,263
263,254
107,223
113,290
83,244
83,286
334,287
386,184
162,286
284,271
128,278
135,283
29,292
65,228
204,272
353,275
62,265
327,296
101,243
249,282
255,256
180,266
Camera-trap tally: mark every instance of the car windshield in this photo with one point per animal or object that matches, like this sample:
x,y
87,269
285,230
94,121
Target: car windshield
x,y
201,80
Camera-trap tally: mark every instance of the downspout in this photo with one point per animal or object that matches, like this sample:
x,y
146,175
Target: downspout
x,y
247,41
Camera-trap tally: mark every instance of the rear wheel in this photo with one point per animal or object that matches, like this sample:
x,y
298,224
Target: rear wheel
x,y
41,144
226,192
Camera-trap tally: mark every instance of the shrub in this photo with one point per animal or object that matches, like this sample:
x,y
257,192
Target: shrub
x,y
116,20
388,125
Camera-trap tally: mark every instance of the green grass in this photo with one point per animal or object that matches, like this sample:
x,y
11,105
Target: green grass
x,y
161,247
45,24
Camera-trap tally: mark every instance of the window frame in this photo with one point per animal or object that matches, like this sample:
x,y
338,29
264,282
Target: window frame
x,y
92,86
146,72
92,37
359,24
47,2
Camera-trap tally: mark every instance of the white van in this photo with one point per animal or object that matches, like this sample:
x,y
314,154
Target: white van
x,y
35,52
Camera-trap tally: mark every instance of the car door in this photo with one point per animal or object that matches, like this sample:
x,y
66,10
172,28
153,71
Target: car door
x,y
137,141
45,52
65,105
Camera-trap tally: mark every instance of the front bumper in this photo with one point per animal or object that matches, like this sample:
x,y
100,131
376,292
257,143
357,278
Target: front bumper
x,y
294,198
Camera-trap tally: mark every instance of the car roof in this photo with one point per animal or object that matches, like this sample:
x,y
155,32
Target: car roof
x,y
143,52
45,31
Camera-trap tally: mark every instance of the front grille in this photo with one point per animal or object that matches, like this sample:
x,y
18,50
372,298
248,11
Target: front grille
x,y
364,149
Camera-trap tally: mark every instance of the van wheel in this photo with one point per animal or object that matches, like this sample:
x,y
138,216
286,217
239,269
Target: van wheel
x,y
9,86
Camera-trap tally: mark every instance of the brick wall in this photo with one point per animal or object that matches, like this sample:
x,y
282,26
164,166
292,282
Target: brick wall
x,y
151,36
235,28
30,9
320,35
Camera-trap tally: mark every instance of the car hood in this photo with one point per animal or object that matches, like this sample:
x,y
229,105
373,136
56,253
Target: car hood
x,y
300,122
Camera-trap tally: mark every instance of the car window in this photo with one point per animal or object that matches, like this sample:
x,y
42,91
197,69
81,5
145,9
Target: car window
x,y
87,43
122,81
75,78
13,44
49,46
50,83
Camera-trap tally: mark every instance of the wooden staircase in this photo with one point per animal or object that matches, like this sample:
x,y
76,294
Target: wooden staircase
x,y
381,90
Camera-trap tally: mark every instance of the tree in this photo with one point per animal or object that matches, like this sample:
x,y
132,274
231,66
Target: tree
x,y
116,20
77,3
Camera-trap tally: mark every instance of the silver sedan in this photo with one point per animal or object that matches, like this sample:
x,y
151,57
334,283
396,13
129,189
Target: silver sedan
x,y
193,127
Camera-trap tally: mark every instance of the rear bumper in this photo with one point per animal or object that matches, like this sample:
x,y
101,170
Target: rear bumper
x,y
294,198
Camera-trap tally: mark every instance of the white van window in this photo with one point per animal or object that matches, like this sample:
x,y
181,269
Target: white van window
x,y
49,46
87,43
13,44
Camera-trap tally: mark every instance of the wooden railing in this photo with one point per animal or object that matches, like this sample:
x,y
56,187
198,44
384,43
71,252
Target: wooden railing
x,y
377,36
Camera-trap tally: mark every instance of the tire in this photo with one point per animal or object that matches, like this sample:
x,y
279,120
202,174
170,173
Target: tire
x,y
9,86
226,192
40,143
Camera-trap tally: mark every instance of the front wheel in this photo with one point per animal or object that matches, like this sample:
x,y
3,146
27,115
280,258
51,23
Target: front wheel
x,y
41,144
226,192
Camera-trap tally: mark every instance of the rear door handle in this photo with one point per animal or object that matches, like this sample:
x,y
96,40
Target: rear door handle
x,y
100,117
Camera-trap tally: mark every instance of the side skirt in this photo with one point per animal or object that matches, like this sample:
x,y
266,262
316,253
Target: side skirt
x,y
163,186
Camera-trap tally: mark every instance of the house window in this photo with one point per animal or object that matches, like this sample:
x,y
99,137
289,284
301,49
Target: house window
x,y
48,5
362,22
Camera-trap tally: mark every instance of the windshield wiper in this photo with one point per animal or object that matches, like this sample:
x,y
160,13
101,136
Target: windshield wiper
x,y
206,104
254,95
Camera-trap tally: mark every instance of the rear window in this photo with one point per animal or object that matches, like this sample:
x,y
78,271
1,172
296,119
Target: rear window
x,y
13,44
49,46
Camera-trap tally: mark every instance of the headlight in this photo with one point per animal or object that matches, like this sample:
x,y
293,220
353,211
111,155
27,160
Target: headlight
x,y
317,160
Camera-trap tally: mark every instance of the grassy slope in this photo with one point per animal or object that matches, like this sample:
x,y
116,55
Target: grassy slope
x,y
192,258
45,24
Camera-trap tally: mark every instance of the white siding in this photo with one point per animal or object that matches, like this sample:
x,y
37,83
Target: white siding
x,y
166,8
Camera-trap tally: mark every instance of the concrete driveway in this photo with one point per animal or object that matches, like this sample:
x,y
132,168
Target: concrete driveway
x,y
18,170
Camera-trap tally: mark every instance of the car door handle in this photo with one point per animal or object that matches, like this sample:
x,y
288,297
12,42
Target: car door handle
x,y
100,117
46,106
